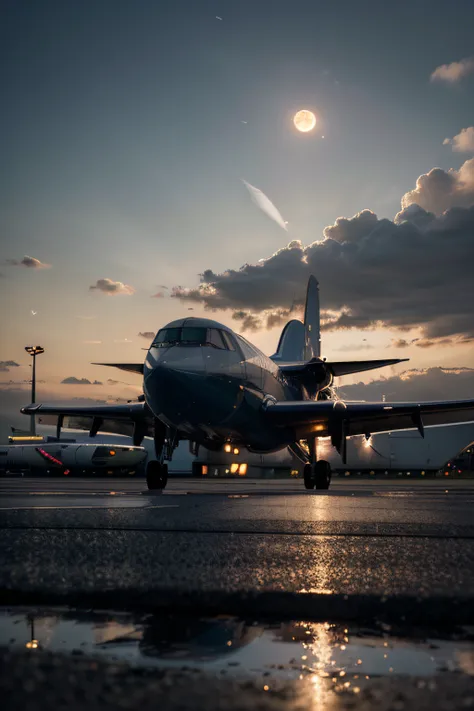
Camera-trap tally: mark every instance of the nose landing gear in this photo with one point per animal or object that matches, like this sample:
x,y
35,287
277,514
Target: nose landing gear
x,y
165,444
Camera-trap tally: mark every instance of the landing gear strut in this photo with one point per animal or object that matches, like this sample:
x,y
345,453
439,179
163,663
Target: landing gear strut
x,y
318,473
165,444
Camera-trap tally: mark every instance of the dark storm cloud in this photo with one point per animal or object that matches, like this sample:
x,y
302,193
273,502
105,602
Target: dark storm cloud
x,y
414,271
415,385
5,365
112,288
147,334
266,319
79,381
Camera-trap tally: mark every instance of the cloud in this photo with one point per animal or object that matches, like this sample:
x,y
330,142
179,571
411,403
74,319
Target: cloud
x,y
430,342
90,343
353,347
122,340
9,364
112,288
5,365
29,262
71,380
86,318
415,385
412,272
111,381
147,334
439,190
454,72
158,295
463,142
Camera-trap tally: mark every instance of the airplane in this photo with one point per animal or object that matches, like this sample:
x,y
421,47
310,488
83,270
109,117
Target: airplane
x,y
205,383
34,455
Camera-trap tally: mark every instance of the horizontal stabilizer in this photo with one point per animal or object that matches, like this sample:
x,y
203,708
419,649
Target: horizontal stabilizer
x,y
317,366
130,367
339,368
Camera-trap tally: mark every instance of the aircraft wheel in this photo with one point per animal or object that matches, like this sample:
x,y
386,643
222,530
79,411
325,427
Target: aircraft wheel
x,y
308,476
322,474
196,469
156,475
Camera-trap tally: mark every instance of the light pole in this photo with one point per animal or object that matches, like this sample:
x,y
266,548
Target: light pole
x,y
33,351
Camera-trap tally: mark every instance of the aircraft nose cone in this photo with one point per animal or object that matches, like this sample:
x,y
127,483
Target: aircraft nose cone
x,y
175,393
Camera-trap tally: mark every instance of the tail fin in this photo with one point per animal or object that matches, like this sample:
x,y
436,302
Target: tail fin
x,y
312,326
302,341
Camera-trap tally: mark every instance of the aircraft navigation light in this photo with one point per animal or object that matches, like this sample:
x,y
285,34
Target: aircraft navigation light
x,y
112,452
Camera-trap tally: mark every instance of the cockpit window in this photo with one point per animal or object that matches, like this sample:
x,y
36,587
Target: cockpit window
x,y
228,340
215,338
189,336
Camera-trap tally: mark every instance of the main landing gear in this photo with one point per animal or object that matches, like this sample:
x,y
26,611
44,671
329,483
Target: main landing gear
x,y
156,475
318,472
317,475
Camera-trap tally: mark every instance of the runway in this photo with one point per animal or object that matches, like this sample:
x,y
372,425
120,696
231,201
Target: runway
x,y
377,573
362,539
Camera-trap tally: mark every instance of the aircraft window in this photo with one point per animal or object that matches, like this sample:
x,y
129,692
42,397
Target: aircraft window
x,y
228,340
215,339
247,349
188,335
166,337
193,335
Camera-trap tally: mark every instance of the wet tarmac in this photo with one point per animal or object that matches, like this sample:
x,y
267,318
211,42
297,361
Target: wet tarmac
x,y
377,558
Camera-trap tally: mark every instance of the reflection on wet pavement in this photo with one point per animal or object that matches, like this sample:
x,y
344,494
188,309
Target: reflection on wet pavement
x,y
338,656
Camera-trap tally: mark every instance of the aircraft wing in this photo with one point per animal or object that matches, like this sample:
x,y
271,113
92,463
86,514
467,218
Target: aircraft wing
x,y
337,368
338,419
131,412
130,367
108,418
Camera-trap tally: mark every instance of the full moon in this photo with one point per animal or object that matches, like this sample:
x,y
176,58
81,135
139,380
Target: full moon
x,y
304,120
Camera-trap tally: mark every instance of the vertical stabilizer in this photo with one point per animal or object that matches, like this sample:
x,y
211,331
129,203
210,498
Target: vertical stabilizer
x,y
312,326
302,341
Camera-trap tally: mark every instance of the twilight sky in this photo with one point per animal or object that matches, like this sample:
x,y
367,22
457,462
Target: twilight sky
x,y
128,127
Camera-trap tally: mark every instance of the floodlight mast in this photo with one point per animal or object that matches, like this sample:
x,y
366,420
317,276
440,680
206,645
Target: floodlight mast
x,y
33,351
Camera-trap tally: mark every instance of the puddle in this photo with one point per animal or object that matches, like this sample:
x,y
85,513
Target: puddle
x,y
288,650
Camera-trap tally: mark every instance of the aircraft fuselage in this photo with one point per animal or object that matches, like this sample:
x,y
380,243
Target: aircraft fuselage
x,y
210,394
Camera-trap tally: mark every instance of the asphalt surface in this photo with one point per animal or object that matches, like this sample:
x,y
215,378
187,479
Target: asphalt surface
x,y
372,551
362,539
